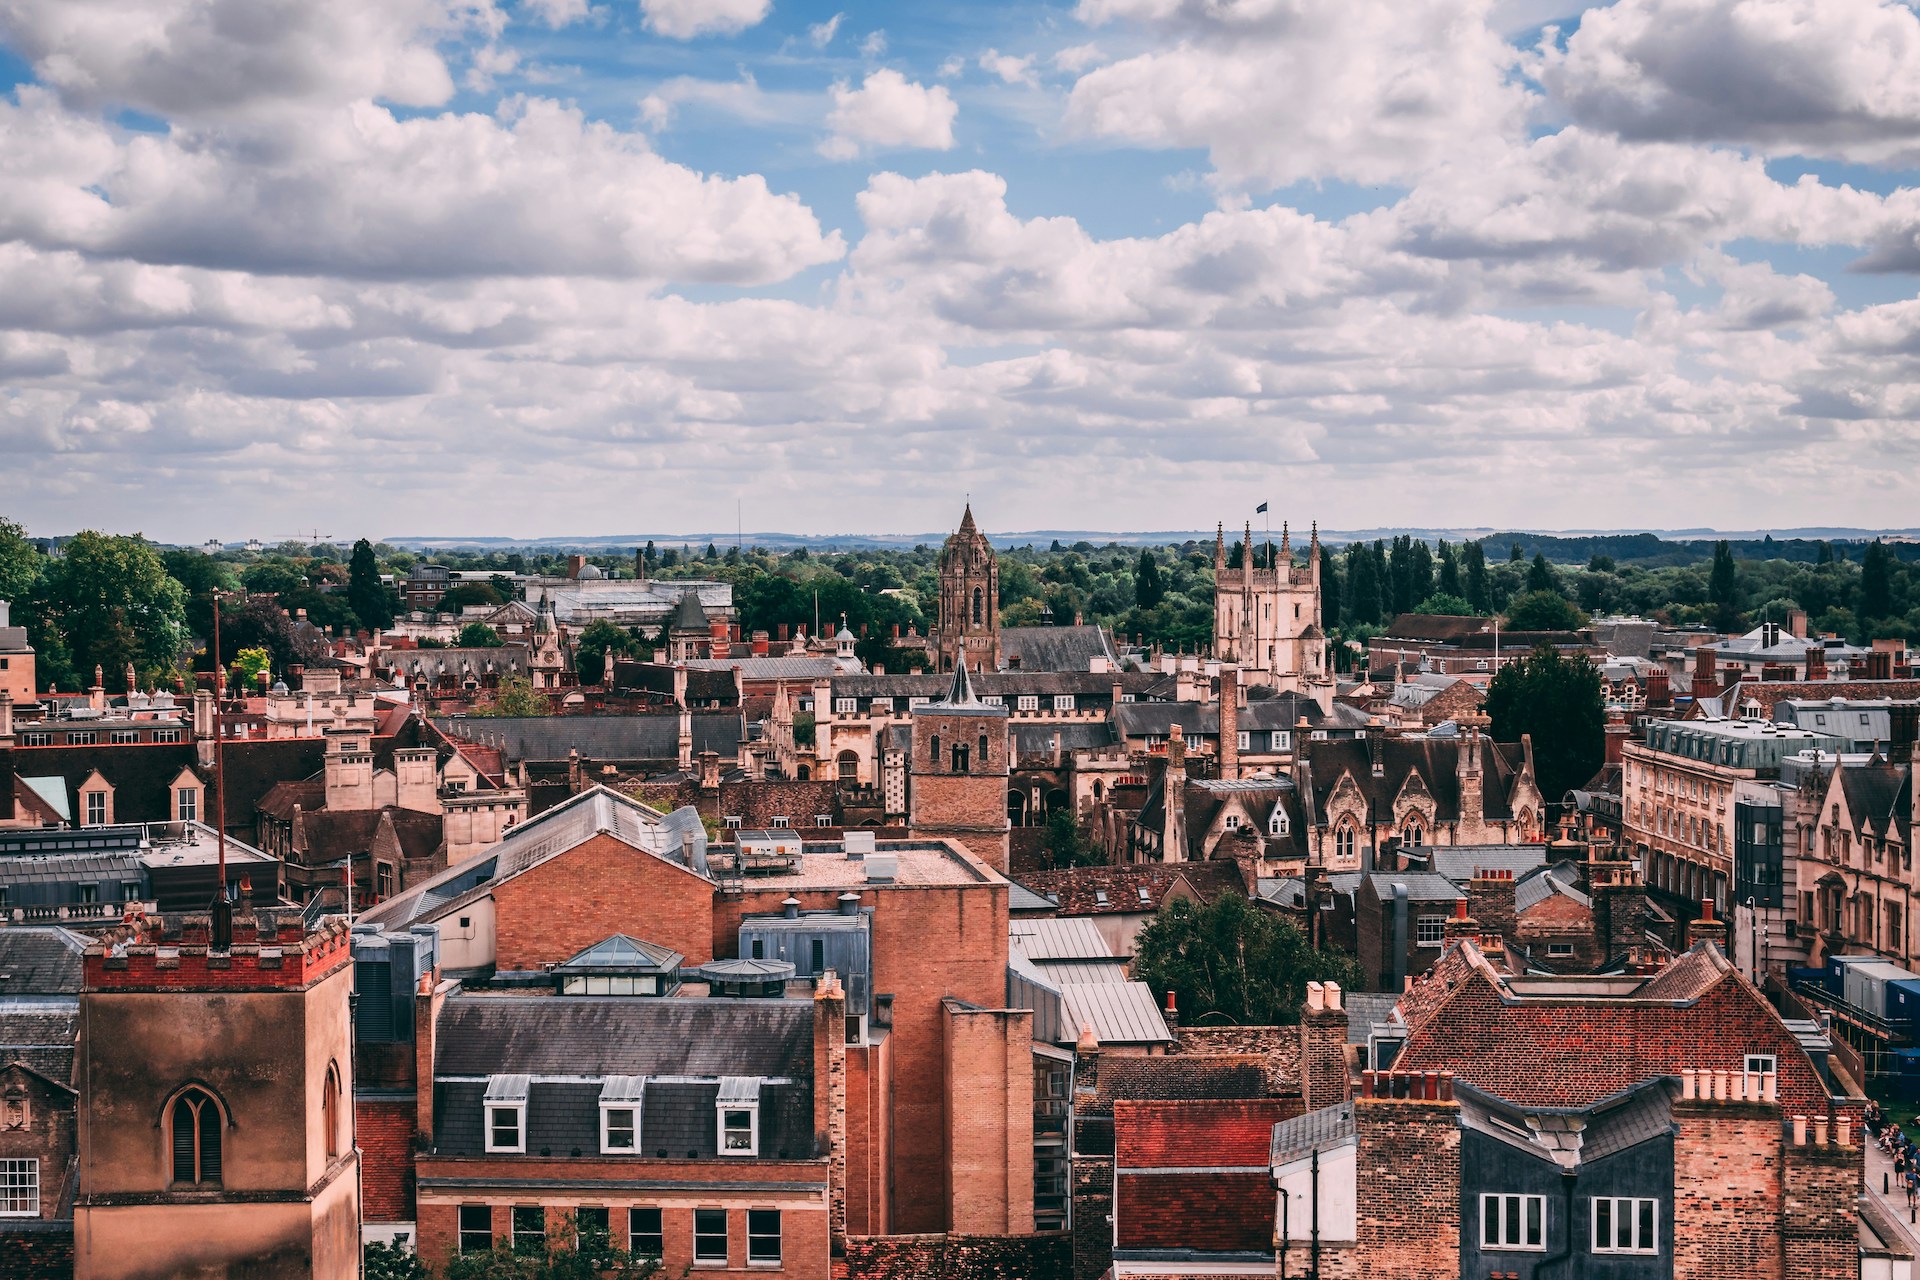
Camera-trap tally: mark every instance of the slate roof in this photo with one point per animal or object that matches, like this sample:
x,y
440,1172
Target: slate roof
x,y
307,793
1878,796
1366,1009
1055,648
1037,739
1610,1125
1004,684
1078,888
1458,863
330,835
651,738
1422,886
1434,760
40,960
1546,882
1320,1130
689,615
39,1033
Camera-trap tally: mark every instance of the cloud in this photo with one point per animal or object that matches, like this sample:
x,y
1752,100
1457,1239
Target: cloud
x,y
822,33
887,111
361,193
1077,58
685,19
1010,69
193,59
557,13
1836,78
1278,91
741,99
874,45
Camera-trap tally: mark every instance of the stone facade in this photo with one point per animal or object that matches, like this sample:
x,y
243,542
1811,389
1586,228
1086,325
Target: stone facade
x,y
1267,620
969,617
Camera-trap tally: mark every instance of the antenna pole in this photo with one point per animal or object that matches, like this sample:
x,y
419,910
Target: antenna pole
x,y
222,909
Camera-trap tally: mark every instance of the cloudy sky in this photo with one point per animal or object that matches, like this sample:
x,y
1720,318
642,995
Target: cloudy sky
x,y
541,267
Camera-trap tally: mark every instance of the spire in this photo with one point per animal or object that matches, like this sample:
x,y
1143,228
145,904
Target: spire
x,y
961,693
1286,543
966,521
1219,546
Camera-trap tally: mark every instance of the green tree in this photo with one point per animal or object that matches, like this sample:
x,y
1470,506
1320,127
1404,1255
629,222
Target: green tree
x,y
1544,611
599,644
1540,575
112,600
372,603
1876,582
248,666
1723,587
1230,961
515,696
1330,593
460,596
1448,582
1441,603
1363,603
1068,843
1560,704
380,1260
478,635
273,578
1600,564
20,563
1478,594
1419,571
1148,587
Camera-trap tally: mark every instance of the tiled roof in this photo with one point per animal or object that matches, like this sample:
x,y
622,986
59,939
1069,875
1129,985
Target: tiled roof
x,y
1227,1075
1194,1175
600,738
624,1035
1320,1130
1196,1133
1435,760
1422,886
1079,889
39,1033
308,794
40,960
1055,648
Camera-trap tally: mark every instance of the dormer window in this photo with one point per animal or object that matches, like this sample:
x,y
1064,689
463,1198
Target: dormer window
x,y
1277,824
739,1115
621,1098
506,1118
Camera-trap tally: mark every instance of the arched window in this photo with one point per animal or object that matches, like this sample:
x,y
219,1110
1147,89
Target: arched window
x,y
959,758
849,766
983,751
197,1124
1414,837
1277,824
934,755
978,606
330,1111
1343,841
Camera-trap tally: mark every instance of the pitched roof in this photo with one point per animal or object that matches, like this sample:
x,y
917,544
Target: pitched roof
x,y
1434,760
1065,938
1607,1127
1078,891
39,1033
1118,1012
1422,886
40,960
1056,648
652,738
1320,1130
688,615
1196,1133
625,1035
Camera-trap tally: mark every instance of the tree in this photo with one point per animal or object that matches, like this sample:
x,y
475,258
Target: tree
x,y
1540,575
1604,564
1560,704
111,598
382,1260
1477,593
273,578
515,696
1448,583
1876,582
19,562
581,1254
1723,587
1148,587
1233,962
478,635
1515,555
1544,611
460,596
1068,843
1363,586
1419,571
1441,603
366,594
599,644
249,665
1330,597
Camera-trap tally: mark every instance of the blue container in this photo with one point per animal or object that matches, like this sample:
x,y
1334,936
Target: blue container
x,y
1903,1004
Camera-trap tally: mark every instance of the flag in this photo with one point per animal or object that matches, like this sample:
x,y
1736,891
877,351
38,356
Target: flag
x,y
1262,507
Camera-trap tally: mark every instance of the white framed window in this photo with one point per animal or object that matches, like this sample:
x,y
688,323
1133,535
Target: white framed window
x,y
96,808
1027,702
529,1228
592,1225
1761,1064
1243,740
36,739
19,1188
476,1228
1153,742
1429,931
845,706
506,1114
740,1130
1127,697
1513,1222
186,804
1233,822
732,822
993,700
763,1237
1624,1224
166,735
645,1238
1063,702
781,822
919,701
1277,824
123,737
619,1129
1559,948
709,1237
822,819
82,738
1282,740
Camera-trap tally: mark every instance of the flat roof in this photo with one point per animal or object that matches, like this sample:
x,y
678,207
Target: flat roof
x,y
916,863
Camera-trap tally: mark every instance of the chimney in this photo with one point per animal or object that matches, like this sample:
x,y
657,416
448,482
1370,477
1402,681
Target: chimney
x,y
1707,927
783,632
717,644
1816,662
573,771
97,694
1401,931
1706,672
830,1098
1878,665
1797,623
133,680
1376,746
1172,1013
710,771
1323,1048
1659,688
1617,733
1903,728
760,647
427,999
1229,723
1173,799
6,724
1490,900
1461,924
685,753
574,565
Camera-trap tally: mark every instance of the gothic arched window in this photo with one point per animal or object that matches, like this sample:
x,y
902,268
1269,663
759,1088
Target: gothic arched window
x,y
934,755
1343,841
330,1110
197,1124
983,751
959,758
979,601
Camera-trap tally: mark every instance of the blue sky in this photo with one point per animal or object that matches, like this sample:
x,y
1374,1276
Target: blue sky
x,y
593,266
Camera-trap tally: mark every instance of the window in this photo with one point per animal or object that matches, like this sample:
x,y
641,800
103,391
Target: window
x,y
330,1110
20,1194
476,1228
739,1131
529,1229
780,822
1063,702
36,739
186,804
1243,740
1343,841
1513,1222
1625,1225
959,759
763,1237
1429,931
1277,824
86,893
619,1129
934,755
993,699
1027,702
978,601
96,808
1894,914
849,767
845,706
1761,1064
196,1138
592,1226
1233,822
123,737
1414,836
82,737
1559,948
644,1236
506,1113
822,819
731,823
166,735
710,1236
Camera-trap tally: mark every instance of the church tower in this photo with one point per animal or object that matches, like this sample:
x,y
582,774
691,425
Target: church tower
x,y
1267,619
969,621
958,765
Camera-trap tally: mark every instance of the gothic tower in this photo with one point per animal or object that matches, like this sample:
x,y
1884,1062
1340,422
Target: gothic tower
x,y
969,600
1267,619
957,770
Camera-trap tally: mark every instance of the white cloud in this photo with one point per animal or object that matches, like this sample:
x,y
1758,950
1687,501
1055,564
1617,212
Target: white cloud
x,y
489,63
741,99
1010,69
1810,77
557,13
822,33
1283,90
685,19
874,45
1077,58
888,110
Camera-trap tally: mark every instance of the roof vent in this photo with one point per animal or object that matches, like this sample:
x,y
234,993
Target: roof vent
x,y
790,907
882,867
859,844
849,903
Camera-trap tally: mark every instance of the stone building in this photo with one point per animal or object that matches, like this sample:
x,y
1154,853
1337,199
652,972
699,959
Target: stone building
x,y
1267,620
968,625
958,768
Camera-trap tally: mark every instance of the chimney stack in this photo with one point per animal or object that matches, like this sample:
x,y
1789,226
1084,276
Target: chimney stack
x,y
1708,927
1816,662
1706,672
1229,723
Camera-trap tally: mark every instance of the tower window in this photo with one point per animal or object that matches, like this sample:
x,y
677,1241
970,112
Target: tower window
x,y
983,751
978,606
934,755
959,759
196,1138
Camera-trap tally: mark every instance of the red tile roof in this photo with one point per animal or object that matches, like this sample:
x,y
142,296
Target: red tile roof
x,y
1211,1192
1077,887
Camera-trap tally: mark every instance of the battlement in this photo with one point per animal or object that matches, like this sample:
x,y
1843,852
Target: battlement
x,y
176,953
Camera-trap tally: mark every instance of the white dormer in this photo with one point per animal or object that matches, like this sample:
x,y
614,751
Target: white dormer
x,y
738,1108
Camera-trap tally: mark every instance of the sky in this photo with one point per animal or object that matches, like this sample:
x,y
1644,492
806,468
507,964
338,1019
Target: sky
x,y
539,268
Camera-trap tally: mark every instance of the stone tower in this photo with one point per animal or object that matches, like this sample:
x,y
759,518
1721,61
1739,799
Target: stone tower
x,y
957,771
217,1135
1267,620
969,620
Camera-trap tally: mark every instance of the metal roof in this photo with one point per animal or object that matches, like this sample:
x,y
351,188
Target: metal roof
x,y
1320,1130
508,1088
623,1089
1118,1012
739,1090
1062,938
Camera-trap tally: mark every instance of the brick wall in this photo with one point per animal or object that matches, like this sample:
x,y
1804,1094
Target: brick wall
x,y
383,1130
37,1255
1323,1058
1726,1191
1409,1188
1819,1214
598,888
1025,852
1278,1047
956,1257
1092,1207
989,1087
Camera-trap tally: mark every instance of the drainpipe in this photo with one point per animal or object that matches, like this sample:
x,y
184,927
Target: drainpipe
x,y
1568,1179
1400,937
1286,1203
1314,1255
